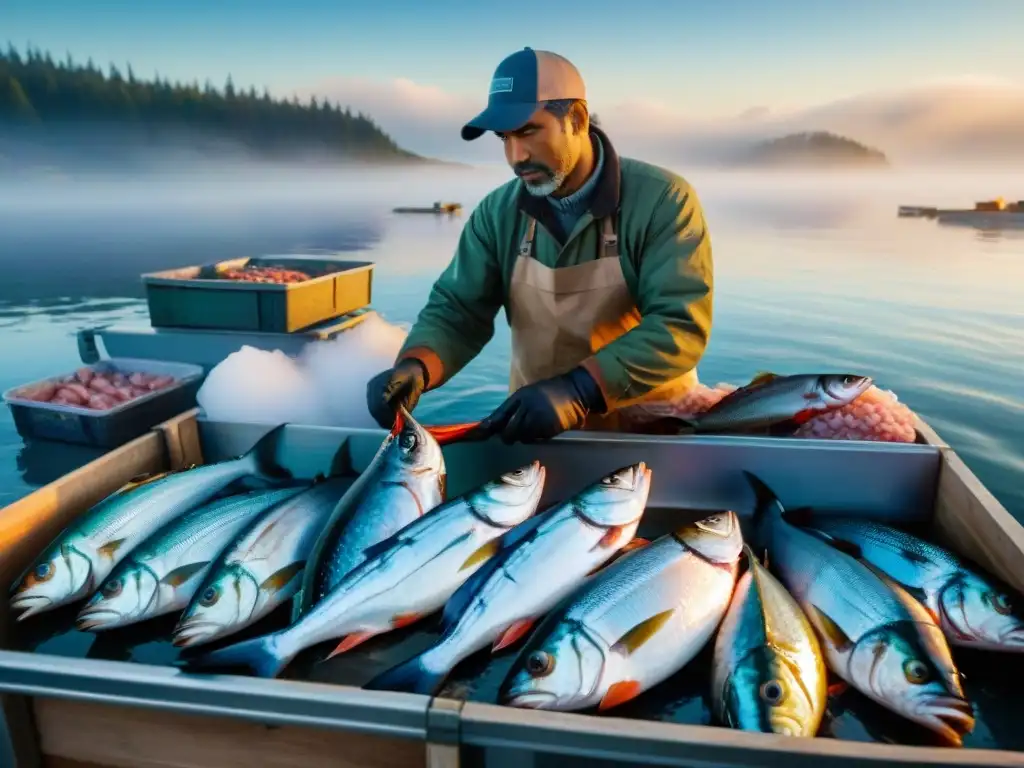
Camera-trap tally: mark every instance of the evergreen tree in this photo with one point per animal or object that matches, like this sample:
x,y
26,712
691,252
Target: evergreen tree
x,y
35,89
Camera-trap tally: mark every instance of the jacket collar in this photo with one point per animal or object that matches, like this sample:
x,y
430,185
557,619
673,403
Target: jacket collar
x,y
604,202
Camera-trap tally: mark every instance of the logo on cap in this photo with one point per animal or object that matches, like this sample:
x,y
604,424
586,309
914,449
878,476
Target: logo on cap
x,y
501,85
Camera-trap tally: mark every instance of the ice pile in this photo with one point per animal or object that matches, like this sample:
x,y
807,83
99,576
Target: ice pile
x,y
325,385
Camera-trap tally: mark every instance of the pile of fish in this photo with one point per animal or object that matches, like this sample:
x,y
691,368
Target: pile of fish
x,y
95,389
592,615
819,406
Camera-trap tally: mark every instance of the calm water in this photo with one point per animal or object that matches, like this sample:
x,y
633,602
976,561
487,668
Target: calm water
x,y
811,273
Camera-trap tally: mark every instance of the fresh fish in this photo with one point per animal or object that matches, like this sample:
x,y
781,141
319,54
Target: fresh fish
x,y
769,400
261,570
84,554
405,479
540,564
873,636
972,608
768,674
634,624
161,574
407,576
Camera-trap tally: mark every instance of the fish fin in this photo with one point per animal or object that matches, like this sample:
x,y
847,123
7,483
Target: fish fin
x,y
619,693
838,688
265,456
913,557
179,576
642,632
635,543
511,635
459,601
750,555
405,619
765,498
350,642
801,517
831,630
412,676
482,555
108,549
280,579
802,417
610,537
761,378
296,610
259,655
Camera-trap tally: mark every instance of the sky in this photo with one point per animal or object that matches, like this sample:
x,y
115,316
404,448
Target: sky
x,y
705,60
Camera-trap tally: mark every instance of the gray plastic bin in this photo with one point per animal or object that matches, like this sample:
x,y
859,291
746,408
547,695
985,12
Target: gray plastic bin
x,y
113,427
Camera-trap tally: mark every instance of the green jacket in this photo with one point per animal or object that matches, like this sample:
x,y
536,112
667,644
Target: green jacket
x,y
666,259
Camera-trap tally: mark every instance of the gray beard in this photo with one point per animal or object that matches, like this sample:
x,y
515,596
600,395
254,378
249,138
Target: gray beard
x,y
546,188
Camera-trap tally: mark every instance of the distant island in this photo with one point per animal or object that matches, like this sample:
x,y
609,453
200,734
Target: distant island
x,y
817,149
53,113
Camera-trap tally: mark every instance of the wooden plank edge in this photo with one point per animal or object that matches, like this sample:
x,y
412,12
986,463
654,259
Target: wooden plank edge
x,y
974,523
618,739
131,737
28,524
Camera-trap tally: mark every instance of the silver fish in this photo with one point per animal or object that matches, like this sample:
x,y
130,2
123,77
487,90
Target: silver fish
x,y
85,553
885,646
161,574
634,624
771,399
973,609
768,672
541,563
407,576
262,569
405,479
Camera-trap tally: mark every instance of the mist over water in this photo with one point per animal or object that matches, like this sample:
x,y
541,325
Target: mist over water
x,y
814,271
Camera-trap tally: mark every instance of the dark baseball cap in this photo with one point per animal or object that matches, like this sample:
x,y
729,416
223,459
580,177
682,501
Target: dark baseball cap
x,y
520,86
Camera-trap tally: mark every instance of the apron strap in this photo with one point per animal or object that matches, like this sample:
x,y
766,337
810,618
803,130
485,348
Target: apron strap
x,y
608,248
609,240
526,244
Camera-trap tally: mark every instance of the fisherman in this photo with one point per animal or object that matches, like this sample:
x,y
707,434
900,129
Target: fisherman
x,y
602,264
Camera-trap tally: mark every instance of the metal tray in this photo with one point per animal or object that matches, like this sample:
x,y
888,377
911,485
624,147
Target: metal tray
x,y
666,726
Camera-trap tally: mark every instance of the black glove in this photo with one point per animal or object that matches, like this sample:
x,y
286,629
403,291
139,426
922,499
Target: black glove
x,y
398,386
546,408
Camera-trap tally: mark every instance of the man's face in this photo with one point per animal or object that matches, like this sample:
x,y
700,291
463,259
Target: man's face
x,y
543,152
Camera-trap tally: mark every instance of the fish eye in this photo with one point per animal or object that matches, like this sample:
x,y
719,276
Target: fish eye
x,y
540,663
210,596
772,692
43,572
407,441
1000,603
112,588
916,671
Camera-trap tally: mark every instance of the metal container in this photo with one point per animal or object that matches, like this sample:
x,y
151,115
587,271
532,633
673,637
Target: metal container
x,y
198,297
91,705
113,427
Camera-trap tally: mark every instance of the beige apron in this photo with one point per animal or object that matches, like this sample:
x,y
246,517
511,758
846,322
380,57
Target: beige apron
x,y
560,316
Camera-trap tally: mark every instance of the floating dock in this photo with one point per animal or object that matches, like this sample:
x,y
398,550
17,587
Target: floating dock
x,y
987,214
436,208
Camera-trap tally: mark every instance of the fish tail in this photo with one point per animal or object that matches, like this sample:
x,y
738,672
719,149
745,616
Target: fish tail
x,y
767,503
265,456
262,655
423,674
